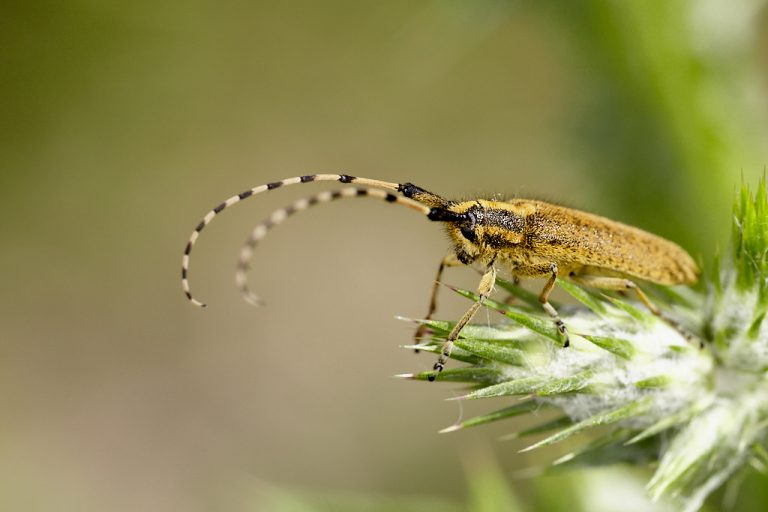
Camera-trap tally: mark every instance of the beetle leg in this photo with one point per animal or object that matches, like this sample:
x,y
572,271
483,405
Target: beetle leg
x,y
551,311
449,261
483,290
511,298
618,284
625,285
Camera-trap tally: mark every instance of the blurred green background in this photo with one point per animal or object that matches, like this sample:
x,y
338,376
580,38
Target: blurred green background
x,y
122,123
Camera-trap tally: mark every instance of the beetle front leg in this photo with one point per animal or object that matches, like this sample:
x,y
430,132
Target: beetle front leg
x,y
449,261
483,290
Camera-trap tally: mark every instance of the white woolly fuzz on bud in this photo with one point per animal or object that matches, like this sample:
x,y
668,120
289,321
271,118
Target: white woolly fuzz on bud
x,y
710,448
736,312
664,368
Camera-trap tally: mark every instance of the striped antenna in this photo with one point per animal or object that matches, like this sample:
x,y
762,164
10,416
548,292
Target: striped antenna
x,y
278,216
419,196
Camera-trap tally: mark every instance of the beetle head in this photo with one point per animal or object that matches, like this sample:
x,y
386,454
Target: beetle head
x,y
480,229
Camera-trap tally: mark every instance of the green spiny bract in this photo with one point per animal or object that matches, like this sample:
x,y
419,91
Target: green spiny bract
x,y
697,414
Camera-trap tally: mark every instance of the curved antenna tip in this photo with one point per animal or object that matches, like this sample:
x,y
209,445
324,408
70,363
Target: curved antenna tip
x,y
193,300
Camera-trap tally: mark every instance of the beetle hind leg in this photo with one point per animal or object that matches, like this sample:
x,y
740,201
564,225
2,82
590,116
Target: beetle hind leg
x,y
626,285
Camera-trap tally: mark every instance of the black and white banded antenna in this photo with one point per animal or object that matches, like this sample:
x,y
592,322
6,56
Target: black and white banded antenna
x,y
412,196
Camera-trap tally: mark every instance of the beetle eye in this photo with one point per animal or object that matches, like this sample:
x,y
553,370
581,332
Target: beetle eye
x,y
468,232
468,228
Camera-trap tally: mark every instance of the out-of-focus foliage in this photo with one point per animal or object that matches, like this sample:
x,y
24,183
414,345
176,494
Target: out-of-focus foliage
x,y
674,109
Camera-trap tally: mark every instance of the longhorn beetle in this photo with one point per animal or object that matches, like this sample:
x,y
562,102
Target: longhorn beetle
x,y
523,237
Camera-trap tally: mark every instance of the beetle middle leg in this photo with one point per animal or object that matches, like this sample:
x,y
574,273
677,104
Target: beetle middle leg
x,y
511,298
483,290
551,311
